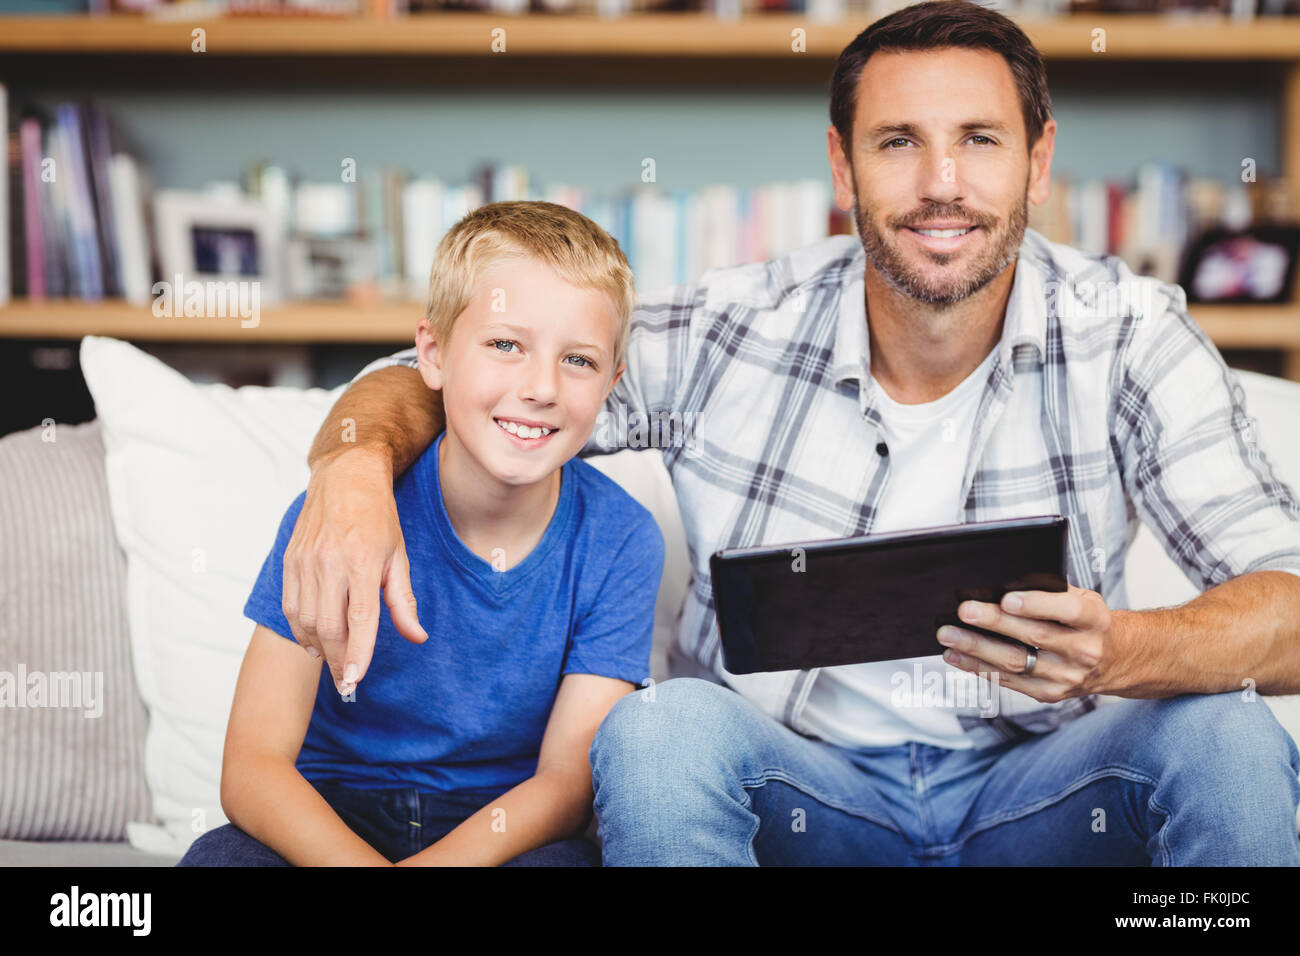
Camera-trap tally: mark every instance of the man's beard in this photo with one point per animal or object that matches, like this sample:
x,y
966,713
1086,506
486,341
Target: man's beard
x,y
1000,250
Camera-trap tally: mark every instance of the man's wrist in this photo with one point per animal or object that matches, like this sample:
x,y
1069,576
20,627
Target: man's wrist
x,y
1113,678
375,460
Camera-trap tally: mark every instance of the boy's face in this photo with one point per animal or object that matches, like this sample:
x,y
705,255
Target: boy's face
x,y
530,352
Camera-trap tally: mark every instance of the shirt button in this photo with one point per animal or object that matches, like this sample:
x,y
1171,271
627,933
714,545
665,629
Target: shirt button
x,y
882,449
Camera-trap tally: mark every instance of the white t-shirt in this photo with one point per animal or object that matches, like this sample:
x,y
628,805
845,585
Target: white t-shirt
x,y
928,443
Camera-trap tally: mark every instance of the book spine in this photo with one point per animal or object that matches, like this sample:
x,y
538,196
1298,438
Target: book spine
x,y
133,238
99,138
6,280
85,244
60,269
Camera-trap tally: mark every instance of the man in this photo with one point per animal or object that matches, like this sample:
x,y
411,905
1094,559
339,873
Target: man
x,y
947,365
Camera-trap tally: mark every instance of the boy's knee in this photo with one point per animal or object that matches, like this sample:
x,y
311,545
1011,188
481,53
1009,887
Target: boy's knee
x,y
227,845
207,850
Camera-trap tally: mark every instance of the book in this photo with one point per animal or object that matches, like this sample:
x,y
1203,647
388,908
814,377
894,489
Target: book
x,y
127,190
99,151
6,237
74,177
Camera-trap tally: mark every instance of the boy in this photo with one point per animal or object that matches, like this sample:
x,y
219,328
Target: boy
x,y
535,578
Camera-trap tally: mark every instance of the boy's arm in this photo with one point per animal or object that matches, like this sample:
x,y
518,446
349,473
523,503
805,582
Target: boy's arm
x,y
262,791
347,543
553,804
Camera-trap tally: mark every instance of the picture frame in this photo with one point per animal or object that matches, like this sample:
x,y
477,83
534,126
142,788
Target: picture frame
x,y
336,267
1253,265
219,237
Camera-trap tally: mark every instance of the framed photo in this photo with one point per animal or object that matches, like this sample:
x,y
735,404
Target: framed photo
x,y
331,268
219,237
1250,265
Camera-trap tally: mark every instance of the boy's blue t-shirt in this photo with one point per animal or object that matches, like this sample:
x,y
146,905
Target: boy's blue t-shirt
x,y
466,710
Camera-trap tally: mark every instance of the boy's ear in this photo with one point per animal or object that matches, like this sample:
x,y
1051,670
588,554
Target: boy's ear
x,y
429,354
614,381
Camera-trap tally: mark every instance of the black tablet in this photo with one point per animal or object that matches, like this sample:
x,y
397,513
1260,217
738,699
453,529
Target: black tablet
x,y
878,597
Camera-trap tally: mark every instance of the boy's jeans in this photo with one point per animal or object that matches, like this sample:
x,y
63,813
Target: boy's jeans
x,y
700,776
398,823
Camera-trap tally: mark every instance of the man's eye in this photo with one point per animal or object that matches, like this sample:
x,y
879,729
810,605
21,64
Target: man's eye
x,y
500,342
897,140
983,137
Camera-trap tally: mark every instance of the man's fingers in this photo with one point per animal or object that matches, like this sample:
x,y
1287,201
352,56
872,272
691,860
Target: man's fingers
x,y
1065,607
999,654
291,605
1036,685
401,599
363,625
331,616
1027,630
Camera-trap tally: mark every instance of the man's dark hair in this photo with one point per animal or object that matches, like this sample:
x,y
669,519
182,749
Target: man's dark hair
x,y
934,25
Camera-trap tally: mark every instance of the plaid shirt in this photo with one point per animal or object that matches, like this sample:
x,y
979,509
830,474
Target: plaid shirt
x,y
1106,403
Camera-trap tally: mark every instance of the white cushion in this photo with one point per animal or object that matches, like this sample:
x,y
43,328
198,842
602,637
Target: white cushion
x,y
199,477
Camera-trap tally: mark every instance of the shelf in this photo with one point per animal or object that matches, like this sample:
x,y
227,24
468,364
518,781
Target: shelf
x,y
670,35
299,322
1258,327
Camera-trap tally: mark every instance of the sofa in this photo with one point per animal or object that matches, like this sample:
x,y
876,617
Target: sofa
x,y
127,545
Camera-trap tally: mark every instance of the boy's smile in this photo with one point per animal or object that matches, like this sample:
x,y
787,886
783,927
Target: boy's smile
x,y
525,432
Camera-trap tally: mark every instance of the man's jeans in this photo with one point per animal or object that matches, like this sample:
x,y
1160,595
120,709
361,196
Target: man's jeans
x,y
699,776
398,823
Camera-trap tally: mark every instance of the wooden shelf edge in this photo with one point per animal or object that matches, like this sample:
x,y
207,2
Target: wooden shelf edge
x,y
1265,327
1137,37
299,322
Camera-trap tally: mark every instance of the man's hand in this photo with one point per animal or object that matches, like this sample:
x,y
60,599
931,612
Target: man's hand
x,y
346,545
1072,629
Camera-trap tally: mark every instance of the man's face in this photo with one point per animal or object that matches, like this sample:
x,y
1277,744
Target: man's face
x,y
939,141
530,352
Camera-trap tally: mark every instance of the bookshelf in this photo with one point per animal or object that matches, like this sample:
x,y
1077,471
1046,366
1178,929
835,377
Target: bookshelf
x,y
693,47
1266,326
1135,37
326,322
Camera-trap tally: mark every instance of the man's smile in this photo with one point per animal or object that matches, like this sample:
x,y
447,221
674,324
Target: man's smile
x,y
942,240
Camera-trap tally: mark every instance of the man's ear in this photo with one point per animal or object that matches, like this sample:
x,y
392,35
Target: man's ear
x,y
841,174
429,354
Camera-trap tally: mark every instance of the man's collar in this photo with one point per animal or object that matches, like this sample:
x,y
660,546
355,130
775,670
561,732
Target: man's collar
x,y
1026,316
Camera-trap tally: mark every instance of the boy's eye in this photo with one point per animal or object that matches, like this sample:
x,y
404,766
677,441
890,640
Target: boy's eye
x,y
497,343
588,363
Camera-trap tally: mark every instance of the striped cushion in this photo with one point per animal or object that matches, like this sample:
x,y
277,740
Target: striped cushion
x,y
74,771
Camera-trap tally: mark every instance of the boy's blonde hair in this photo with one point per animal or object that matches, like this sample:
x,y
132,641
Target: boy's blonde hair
x,y
579,251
